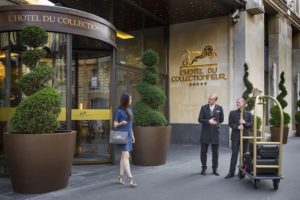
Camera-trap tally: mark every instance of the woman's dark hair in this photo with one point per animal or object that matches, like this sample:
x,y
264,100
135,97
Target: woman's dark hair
x,y
124,104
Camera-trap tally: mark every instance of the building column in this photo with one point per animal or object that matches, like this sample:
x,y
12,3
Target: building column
x,y
296,70
248,47
280,54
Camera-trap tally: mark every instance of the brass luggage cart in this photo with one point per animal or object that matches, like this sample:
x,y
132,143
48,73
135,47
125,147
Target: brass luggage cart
x,y
261,169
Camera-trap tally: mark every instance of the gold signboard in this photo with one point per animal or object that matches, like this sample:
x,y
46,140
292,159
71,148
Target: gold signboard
x,y
193,71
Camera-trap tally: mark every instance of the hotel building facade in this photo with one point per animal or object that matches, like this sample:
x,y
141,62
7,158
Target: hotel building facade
x,y
95,48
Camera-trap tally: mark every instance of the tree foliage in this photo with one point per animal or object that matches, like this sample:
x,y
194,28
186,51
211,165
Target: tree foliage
x,y
145,111
275,111
39,111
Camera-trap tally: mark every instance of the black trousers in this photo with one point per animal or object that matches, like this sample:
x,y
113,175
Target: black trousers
x,y
235,149
215,155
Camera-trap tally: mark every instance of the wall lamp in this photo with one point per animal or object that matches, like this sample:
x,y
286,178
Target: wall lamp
x,y
235,16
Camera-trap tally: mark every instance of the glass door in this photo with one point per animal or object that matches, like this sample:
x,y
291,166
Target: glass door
x,y
91,111
126,81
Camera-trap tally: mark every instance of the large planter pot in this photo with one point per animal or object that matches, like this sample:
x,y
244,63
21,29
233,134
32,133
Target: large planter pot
x,y
298,130
39,163
275,134
151,146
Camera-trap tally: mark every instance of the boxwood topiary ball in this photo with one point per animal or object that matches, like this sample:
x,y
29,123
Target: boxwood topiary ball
x,y
34,36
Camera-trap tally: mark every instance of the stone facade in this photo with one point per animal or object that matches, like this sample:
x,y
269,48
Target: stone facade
x,y
260,40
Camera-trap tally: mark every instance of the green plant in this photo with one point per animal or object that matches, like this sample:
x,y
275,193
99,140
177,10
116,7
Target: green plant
x,y
145,111
297,114
248,91
39,111
258,121
274,111
246,95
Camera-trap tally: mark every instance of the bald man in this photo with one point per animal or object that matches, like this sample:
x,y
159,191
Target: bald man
x,y
237,125
210,116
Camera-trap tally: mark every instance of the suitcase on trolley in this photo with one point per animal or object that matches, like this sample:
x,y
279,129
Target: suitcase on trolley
x,y
248,162
266,151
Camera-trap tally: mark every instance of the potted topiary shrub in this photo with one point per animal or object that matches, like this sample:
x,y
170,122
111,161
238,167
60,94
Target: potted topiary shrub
x,y
151,131
275,115
297,119
38,158
250,100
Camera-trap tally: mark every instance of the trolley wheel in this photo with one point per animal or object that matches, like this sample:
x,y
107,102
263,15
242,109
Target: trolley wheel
x,y
276,184
255,183
241,174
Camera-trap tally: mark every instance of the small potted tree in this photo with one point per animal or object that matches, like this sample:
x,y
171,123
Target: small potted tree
x,y
250,100
38,158
297,119
275,115
151,131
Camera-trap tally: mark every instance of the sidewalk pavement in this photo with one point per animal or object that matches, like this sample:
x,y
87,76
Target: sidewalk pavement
x,y
178,179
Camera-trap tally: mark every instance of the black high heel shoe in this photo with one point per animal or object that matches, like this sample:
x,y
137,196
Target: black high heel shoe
x,y
131,182
121,179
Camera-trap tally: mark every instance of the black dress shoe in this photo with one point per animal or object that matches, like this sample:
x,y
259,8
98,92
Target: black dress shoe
x,y
216,173
229,176
203,172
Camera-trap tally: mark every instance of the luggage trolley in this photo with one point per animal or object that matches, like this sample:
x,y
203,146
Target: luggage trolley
x,y
264,161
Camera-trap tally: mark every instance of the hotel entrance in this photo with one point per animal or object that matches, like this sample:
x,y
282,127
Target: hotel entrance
x,y
80,49
91,108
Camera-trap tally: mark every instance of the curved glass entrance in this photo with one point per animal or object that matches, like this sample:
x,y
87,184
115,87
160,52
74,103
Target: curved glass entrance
x,y
80,48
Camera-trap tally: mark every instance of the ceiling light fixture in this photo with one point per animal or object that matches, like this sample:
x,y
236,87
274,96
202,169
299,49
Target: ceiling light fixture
x,y
123,35
40,2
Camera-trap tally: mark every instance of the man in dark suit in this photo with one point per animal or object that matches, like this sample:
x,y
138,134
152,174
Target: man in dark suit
x,y
211,115
237,125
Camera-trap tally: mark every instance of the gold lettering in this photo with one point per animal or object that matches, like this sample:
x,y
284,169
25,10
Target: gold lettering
x,y
21,18
46,18
66,20
50,19
24,18
60,20
222,76
84,24
12,18
212,70
200,78
35,18
214,77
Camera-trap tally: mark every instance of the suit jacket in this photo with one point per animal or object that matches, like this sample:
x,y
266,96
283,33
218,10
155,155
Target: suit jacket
x,y
234,122
209,132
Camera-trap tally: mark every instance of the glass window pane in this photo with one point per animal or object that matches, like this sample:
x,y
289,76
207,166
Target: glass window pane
x,y
129,22
3,94
154,38
121,84
134,78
